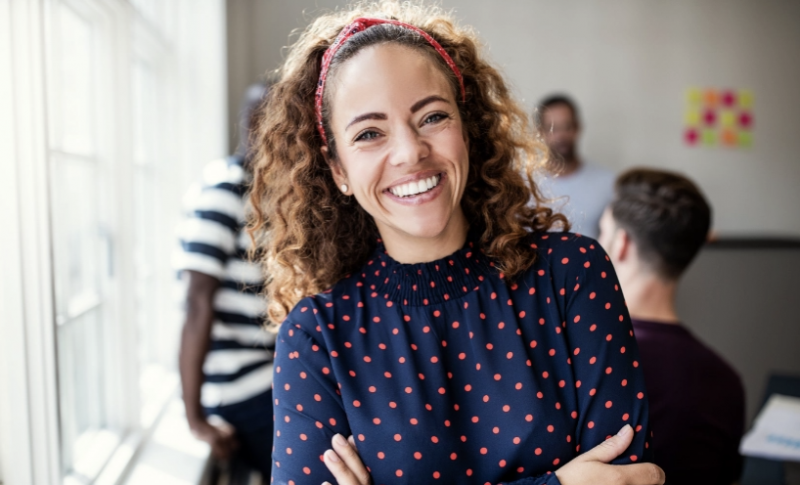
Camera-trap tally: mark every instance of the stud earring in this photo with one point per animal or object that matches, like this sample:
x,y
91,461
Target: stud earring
x,y
344,188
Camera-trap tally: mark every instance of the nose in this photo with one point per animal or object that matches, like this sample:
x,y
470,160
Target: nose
x,y
409,147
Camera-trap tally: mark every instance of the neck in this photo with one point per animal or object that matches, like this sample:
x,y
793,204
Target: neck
x,y
649,297
566,166
409,249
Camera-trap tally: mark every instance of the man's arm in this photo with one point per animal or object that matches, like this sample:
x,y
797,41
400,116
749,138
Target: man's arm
x,y
195,339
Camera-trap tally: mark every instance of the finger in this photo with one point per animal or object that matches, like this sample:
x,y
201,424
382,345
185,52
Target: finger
x,y
642,474
339,469
350,456
352,442
610,448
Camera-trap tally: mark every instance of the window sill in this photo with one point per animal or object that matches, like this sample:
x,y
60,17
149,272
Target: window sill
x,y
168,455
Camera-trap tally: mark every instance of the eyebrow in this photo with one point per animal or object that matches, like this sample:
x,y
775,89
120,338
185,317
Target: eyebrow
x,y
382,116
423,102
366,116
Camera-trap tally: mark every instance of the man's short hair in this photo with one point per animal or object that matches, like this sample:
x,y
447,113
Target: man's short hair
x,y
665,214
555,100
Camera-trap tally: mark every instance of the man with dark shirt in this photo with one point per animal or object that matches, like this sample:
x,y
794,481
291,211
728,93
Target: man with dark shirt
x,y
653,228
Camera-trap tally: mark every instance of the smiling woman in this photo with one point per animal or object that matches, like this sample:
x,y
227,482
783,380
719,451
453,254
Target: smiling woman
x,y
423,307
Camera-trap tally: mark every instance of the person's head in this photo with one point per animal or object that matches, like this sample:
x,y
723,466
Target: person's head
x,y
559,125
656,223
392,111
254,96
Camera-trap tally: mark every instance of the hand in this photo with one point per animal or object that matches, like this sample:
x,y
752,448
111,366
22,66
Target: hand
x,y
219,435
345,463
592,467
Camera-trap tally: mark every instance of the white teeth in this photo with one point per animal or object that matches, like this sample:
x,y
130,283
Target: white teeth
x,y
417,187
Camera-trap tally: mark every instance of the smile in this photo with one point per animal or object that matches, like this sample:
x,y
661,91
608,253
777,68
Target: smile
x,y
416,187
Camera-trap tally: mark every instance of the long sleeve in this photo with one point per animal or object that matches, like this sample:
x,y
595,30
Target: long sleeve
x,y
308,407
605,358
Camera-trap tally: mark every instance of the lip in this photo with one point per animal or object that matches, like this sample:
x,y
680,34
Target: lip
x,y
419,198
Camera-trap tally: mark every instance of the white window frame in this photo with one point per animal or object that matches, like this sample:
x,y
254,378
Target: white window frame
x,y
29,408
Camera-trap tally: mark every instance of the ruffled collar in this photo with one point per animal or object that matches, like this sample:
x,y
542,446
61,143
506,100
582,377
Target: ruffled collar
x,y
430,283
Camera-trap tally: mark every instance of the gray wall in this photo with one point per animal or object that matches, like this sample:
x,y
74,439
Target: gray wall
x,y
745,304
628,63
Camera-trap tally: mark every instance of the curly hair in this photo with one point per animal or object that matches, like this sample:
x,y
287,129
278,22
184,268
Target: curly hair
x,y
306,224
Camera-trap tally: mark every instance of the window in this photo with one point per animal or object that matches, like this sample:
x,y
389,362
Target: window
x,y
107,100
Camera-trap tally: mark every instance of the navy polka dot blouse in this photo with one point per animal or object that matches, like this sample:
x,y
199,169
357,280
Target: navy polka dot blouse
x,y
445,372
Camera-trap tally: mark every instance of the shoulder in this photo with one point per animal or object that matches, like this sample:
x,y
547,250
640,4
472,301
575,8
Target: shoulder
x,y
315,314
223,171
566,250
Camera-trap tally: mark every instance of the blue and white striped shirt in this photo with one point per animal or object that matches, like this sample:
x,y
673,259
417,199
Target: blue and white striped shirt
x,y
213,241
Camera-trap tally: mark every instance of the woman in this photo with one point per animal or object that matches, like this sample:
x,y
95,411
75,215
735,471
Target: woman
x,y
449,333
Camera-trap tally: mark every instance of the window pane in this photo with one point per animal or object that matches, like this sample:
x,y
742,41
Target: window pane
x,y
78,237
81,379
75,87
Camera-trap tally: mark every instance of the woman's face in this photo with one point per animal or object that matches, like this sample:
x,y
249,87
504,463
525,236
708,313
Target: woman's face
x,y
401,149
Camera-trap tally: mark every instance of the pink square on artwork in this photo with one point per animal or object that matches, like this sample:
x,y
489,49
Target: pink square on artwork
x,y
745,120
691,136
728,99
709,117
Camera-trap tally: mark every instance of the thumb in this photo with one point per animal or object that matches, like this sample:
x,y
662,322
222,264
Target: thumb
x,y
612,447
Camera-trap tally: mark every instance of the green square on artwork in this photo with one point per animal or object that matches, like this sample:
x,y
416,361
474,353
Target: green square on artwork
x,y
745,139
709,137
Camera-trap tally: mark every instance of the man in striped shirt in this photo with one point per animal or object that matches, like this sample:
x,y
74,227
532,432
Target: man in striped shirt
x,y
226,355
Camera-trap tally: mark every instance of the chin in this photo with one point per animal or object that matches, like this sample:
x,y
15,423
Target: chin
x,y
423,226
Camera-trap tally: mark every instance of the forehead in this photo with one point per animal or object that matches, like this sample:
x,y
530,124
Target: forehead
x,y
384,75
558,112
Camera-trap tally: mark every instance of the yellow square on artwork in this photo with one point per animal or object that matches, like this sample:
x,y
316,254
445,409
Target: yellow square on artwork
x,y
727,119
694,97
746,98
692,117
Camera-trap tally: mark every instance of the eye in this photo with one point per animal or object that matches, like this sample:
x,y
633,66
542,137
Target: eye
x,y
367,135
435,118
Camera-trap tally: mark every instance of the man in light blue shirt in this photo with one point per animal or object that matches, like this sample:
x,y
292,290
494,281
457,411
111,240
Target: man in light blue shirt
x,y
579,190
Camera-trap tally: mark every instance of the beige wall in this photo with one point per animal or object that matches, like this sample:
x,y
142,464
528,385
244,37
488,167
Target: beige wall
x,y
628,63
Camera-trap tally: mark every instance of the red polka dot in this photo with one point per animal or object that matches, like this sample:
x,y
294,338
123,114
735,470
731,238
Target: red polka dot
x,y
436,475
397,437
565,261
609,404
538,451
484,451
381,455
307,470
529,418
399,473
590,425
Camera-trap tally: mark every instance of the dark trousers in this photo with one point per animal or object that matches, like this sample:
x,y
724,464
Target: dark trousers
x,y
253,422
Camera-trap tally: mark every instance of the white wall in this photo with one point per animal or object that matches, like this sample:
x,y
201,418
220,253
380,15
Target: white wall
x,y
628,63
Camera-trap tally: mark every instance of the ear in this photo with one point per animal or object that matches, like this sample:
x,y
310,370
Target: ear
x,y
623,245
338,172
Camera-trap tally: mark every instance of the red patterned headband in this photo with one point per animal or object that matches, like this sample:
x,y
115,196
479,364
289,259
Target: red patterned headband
x,y
359,25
